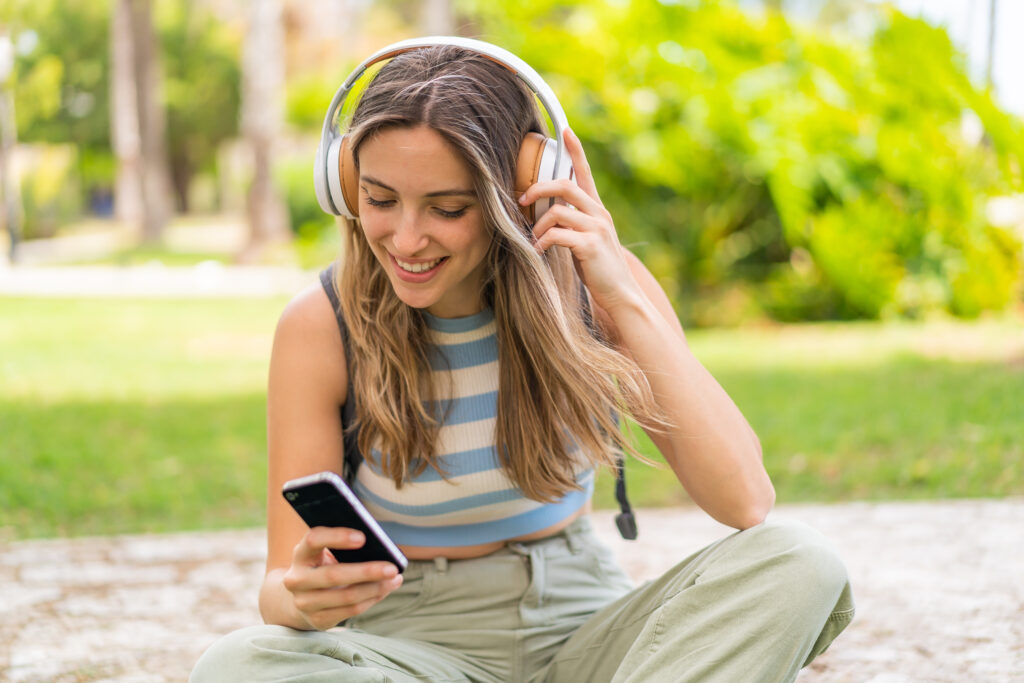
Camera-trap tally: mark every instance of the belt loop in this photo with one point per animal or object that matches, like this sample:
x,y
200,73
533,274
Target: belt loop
x,y
441,564
518,549
575,536
574,541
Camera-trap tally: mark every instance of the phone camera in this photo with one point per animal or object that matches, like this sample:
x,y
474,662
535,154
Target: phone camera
x,y
291,496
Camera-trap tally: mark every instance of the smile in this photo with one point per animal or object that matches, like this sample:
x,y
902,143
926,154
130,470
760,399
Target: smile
x,y
417,267
417,273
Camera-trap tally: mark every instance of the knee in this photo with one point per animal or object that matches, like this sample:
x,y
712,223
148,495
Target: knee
x,y
234,653
807,566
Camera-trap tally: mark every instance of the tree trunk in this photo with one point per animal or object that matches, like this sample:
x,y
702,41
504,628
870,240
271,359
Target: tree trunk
x,y
142,189
437,18
124,118
262,116
9,191
152,122
990,49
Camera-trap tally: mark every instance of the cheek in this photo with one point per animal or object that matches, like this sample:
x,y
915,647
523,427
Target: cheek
x,y
373,232
474,240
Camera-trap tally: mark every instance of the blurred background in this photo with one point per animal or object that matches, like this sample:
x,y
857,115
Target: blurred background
x,y
830,191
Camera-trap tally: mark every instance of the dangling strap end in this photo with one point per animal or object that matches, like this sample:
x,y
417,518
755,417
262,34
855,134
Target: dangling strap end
x,y
627,525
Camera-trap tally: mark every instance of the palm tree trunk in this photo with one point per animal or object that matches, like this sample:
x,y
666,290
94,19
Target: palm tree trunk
x,y
262,117
142,189
124,118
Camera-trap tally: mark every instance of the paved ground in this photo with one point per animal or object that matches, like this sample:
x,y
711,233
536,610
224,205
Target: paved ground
x,y
938,587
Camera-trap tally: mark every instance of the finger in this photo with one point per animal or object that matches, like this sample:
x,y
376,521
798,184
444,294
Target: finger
x,y
345,573
564,189
347,596
300,578
332,617
310,548
565,217
564,237
581,167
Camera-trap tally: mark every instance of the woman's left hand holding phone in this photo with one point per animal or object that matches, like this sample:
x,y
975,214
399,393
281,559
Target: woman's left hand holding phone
x,y
326,592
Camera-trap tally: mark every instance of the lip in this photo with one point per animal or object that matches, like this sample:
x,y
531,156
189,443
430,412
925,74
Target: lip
x,y
406,276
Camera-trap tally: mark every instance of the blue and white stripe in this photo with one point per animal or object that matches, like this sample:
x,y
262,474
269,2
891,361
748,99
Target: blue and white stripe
x,y
478,503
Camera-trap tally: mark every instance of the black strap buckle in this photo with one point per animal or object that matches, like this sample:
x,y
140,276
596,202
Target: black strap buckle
x,y
627,525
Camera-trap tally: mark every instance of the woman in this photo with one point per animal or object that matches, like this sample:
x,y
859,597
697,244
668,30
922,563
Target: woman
x,y
484,403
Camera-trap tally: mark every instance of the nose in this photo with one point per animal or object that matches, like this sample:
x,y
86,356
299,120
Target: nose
x,y
408,239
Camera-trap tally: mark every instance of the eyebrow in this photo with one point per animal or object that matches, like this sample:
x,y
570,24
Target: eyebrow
x,y
437,193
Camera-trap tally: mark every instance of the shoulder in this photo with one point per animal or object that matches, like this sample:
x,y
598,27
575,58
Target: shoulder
x,y
308,346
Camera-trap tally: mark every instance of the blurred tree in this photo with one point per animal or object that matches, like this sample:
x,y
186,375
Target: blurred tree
x,y
138,124
202,75
262,117
10,201
61,78
765,167
437,18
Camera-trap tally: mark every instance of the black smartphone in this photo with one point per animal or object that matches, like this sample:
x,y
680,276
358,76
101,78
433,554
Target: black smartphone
x,y
324,499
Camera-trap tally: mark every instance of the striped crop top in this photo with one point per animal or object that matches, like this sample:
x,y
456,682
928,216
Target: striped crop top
x,y
478,503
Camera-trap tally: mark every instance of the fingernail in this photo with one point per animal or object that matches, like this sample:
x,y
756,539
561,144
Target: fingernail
x,y
522,198
355,537
390,570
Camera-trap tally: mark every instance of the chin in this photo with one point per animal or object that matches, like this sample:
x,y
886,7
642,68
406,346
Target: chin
x,y
413,299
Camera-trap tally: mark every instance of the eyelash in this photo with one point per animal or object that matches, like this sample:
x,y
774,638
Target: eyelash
x,y
441,212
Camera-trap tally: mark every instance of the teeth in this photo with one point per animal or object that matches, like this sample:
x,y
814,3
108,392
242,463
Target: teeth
x,y
417,267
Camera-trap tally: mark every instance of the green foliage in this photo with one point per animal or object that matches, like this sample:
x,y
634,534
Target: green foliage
x,y
201,87
49,188
61,85
307,99
294,176
795,170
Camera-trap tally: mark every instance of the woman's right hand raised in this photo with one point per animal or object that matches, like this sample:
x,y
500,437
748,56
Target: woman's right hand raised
x,y
327,592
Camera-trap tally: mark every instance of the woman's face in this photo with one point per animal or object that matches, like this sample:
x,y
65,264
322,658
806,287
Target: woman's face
x,y
423,221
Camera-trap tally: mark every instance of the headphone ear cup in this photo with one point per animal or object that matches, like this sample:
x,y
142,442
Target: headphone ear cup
x,y
349,179
342,178
528,165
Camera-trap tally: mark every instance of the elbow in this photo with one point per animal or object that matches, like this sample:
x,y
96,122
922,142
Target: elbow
x,y
757,510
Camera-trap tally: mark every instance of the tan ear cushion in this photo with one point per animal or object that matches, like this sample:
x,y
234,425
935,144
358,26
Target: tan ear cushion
x,y
349,177
528,168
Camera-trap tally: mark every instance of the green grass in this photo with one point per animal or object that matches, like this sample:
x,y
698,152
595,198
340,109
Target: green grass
x,y
134,415
869,411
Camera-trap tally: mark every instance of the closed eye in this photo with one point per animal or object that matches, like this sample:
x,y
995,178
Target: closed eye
x,y
450,214
379,202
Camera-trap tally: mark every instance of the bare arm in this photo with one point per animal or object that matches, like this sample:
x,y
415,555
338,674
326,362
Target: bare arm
x,y
304,586
710,447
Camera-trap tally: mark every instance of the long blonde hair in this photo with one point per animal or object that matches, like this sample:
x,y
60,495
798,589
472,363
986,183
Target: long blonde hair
x,y
560,387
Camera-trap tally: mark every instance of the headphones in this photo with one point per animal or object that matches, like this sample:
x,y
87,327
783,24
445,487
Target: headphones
x,y
540,158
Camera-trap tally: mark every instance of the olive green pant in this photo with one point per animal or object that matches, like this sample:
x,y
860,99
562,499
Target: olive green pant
x,y
754,606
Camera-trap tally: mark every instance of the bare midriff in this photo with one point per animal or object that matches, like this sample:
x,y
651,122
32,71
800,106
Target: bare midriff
x,y
465,552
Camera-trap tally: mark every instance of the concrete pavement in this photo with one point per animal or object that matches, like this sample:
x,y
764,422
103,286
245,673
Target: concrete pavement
x,y
938,590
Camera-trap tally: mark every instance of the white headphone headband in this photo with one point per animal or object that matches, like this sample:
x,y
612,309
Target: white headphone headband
x,y
524,71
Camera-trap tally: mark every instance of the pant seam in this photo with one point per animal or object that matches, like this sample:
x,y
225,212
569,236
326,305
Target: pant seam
x,y
842,615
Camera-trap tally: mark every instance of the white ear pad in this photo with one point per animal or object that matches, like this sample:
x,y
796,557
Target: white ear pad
x,y
547,171
334,179
320,181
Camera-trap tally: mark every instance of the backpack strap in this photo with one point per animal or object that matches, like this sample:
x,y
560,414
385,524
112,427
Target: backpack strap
x,y
625,520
